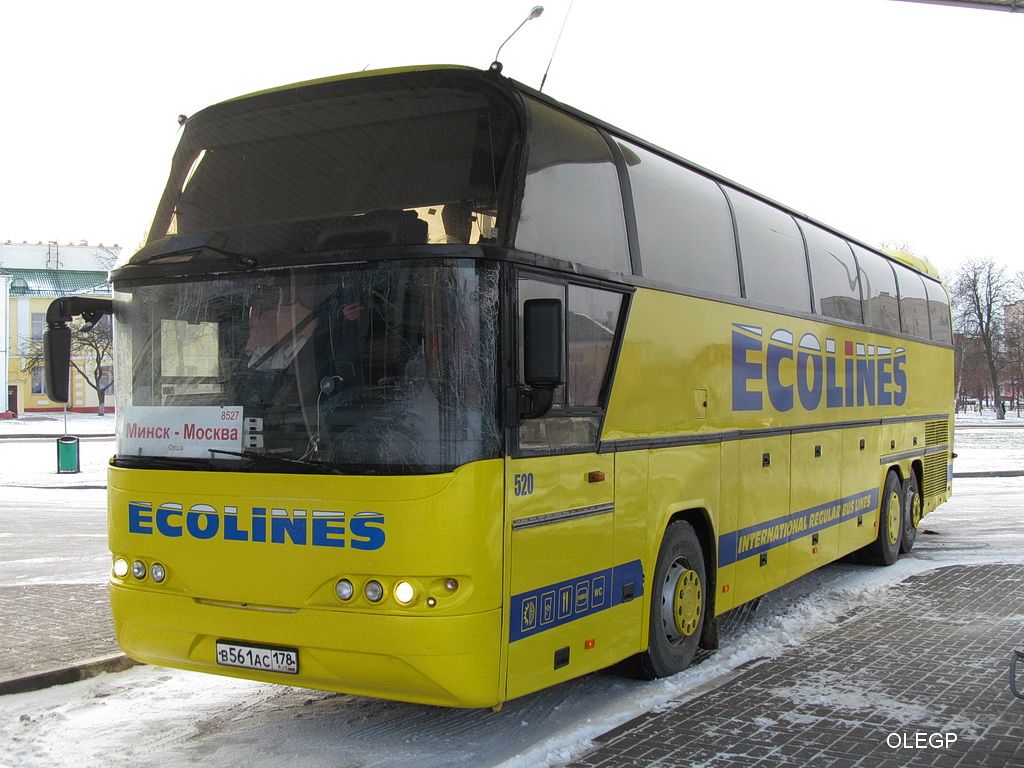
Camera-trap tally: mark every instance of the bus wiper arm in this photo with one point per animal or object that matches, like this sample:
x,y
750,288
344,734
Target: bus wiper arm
x,y
258,458
241,258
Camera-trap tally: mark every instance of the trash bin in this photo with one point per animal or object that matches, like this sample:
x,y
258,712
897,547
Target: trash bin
x,y
67,454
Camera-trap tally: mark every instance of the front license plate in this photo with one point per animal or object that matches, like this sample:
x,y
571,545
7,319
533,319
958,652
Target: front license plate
x,y
262,657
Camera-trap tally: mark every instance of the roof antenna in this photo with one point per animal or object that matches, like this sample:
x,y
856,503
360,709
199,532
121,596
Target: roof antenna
x,y
557,41
537,11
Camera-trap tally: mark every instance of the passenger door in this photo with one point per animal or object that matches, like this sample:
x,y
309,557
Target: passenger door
x,y
560,504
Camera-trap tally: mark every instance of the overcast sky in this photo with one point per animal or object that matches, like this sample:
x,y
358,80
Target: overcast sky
x,y
891,121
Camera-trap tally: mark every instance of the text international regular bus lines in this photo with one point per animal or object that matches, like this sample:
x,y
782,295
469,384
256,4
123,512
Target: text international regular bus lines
x,y
432,388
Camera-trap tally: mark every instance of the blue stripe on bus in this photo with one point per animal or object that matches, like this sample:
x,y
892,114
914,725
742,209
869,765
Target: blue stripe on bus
x,y
751,541
552,606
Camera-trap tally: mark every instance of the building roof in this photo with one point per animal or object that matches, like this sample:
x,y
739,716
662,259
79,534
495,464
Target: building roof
x,y
54,283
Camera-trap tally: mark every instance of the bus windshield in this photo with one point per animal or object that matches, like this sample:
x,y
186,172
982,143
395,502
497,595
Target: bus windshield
x,y
353,163
388,367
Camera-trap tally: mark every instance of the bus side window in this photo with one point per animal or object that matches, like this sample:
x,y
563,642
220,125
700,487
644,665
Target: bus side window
x,y
572,207
913,302
591,321
878,283
833,275
772,256
683,224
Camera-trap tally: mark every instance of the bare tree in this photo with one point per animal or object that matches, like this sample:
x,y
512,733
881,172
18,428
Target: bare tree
x,y
91,355
981,290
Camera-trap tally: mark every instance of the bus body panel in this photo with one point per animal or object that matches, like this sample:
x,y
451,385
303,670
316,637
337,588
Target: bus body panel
x,y
252,582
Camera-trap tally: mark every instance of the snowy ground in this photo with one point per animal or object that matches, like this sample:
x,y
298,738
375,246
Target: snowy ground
x,y
155,717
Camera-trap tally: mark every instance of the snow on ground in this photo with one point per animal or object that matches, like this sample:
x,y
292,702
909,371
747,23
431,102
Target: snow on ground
x,y
153,717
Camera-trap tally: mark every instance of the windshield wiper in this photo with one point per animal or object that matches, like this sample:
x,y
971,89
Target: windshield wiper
x,y
262,458
240,258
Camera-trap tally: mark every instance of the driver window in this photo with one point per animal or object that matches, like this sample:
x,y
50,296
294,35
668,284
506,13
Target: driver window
x,y
591,322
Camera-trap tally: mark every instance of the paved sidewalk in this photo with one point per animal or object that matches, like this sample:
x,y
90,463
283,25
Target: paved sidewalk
x,y
55,634
920,679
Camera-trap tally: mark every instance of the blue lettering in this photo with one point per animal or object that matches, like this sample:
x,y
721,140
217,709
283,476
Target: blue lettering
x,y
899,376
259,524
329,531
865,381
743,371
781,395
809,391
231,530
367,530
884,379
834,393
138,521
163,523
194,521
294,527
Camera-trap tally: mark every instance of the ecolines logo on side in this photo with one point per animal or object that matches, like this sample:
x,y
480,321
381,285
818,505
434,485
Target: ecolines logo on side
x,y
808,374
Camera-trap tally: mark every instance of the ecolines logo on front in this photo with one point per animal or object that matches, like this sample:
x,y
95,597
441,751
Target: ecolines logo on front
x,y
809,374
363,530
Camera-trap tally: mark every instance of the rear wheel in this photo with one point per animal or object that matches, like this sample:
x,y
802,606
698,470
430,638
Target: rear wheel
x,y
886,548
912,512
678,604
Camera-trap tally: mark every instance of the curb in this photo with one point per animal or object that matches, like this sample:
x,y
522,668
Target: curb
x,y
83,670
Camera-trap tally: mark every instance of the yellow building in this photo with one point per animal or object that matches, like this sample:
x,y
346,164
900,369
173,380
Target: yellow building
x,y
31,276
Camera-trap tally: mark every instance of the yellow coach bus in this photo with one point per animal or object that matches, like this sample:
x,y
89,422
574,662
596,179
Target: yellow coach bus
x,y
432,388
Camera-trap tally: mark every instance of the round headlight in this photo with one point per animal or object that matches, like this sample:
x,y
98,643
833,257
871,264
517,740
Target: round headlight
x,y
139,570
344,589
404,592
158,573
120,567
451,584
373,591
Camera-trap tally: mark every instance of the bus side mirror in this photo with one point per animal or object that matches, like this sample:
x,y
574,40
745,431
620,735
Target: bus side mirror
x,y
543,355
57,361
57,339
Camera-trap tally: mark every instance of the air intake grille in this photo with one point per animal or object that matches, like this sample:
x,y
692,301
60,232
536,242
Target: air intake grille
x,y
936,465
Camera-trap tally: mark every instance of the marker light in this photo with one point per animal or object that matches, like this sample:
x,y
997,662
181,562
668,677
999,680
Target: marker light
x,y
120,567
158,573
451,584
139,570
404,592
344,589
373,591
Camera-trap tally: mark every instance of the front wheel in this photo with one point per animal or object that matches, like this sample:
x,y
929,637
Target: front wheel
x,y
678,604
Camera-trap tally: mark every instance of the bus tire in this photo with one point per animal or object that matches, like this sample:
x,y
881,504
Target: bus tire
x,y
678,604
912,512
886,547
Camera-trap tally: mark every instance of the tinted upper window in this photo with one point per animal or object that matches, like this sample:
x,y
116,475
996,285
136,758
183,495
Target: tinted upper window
x,y
363,162
684,224
572,208
772,254
833,275
878,284
913,302
938,310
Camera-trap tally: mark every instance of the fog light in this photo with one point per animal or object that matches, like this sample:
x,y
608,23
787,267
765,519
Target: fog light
x,y
451,584
404,592
344,589
139,570
158,573
373,591
120,567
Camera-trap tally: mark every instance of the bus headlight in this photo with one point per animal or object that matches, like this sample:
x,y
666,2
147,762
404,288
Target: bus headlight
x,y
139,570
158,573
344,589
373,591
120,567
404,592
